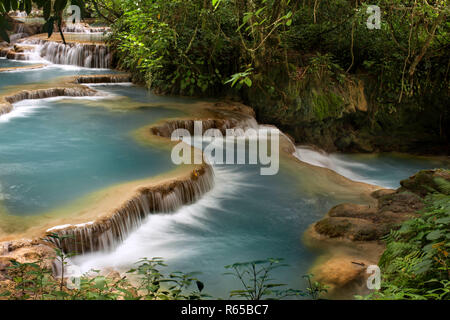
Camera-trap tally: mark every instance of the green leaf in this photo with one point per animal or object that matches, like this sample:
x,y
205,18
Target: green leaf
x,y
434,235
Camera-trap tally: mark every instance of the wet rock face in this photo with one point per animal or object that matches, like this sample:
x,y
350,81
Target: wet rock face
x,y
225,116
49,93
361,227
365,223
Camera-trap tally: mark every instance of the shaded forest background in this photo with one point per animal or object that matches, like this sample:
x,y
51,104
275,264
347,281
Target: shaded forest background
x,y
312,67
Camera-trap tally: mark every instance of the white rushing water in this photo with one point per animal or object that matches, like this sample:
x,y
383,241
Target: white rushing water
x,y
156,237
26,108
336,163
86,55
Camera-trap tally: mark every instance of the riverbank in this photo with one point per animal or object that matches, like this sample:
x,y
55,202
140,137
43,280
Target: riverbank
x,y
351,237
94,231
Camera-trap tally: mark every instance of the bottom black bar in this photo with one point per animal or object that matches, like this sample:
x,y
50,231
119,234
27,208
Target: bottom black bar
x,y
233,310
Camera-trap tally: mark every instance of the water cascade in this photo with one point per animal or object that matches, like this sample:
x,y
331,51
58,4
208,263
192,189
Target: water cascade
x,y
320,158
87,55
79,91
80,28
166,129
107,233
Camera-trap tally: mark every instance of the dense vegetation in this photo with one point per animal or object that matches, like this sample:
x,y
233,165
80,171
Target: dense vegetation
x,y
148,281
298,63
416,262
302,64
308,66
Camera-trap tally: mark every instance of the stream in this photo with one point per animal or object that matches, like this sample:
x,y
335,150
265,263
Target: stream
x,y
57,150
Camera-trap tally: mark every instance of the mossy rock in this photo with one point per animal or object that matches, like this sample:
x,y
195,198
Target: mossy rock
x,y
428,181
333,228
327,105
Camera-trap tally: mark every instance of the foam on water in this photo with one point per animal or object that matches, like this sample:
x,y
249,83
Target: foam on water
x,y
157,234
27,108
333,162
21,110
384,170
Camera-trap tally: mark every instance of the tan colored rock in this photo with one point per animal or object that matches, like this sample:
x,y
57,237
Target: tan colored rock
x,y
340,271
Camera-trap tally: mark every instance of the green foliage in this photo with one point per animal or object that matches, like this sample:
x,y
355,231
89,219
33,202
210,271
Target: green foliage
x,y
174,46
34,281
52,10
416,263
241,78
257,282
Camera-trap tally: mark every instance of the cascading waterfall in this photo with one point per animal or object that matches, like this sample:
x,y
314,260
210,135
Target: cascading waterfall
x,y
18,14
19,33
79,28
333,162
86,55
51,93
168,127
107,233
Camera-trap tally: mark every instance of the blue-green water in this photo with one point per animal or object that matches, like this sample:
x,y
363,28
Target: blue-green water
x,y
53,152
5,63
9,80
384,170
246,217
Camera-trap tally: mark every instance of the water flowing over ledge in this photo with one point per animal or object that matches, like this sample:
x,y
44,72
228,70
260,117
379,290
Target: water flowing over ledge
x,y
81,28
91,79
72,88
166,129
51,93
107,232
87,54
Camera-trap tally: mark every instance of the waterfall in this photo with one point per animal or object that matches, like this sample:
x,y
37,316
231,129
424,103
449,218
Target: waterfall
x,y
50,93
110,78
19,14
106,233
81,28
168,127
352,170
7,101
86,55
